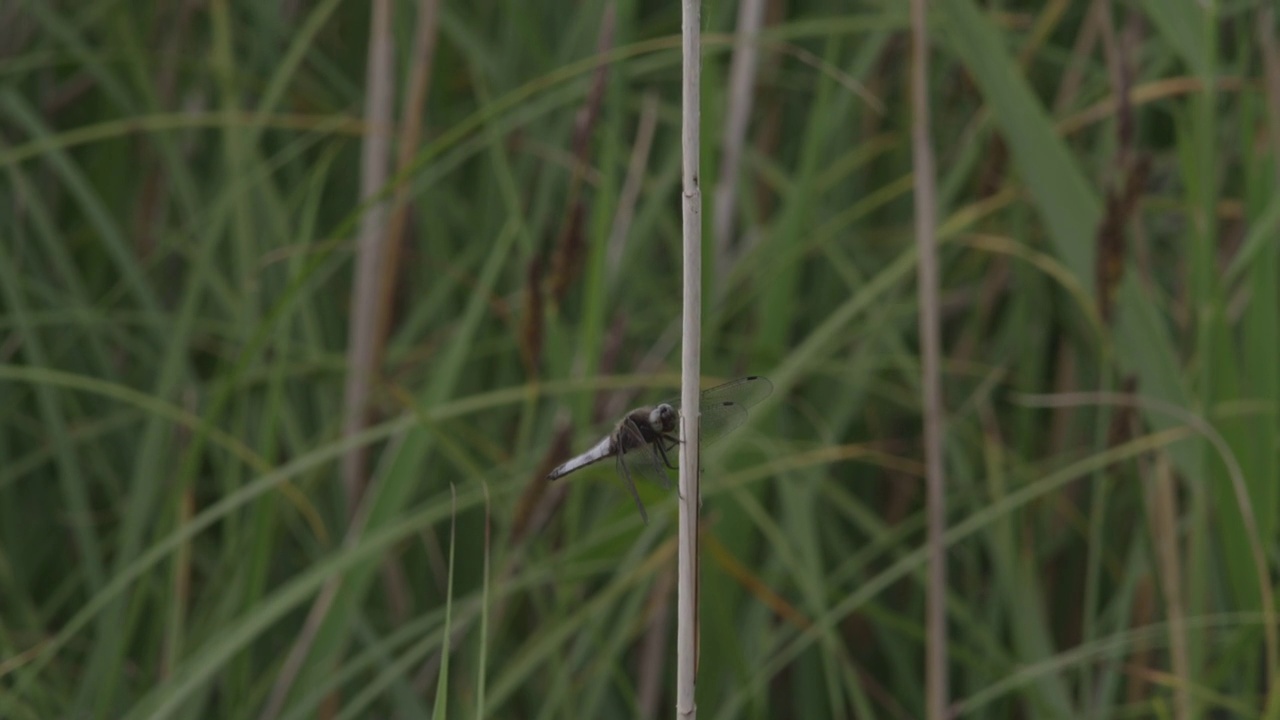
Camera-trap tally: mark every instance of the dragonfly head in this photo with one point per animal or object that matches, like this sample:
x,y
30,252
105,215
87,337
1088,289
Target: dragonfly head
x,y
663,418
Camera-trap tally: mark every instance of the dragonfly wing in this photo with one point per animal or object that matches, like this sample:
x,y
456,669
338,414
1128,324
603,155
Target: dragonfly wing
x,y
625,474
724,407
719,419
645,459
642,459
747,392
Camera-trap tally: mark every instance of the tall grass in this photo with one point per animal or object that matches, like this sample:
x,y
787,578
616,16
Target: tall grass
x,y
180,195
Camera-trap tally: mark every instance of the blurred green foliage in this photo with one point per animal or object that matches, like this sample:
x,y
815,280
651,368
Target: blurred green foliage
x,y
179,193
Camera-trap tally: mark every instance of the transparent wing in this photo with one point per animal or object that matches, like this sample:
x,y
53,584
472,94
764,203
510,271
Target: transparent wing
x,y
644,460
718,420
625,475
724,407
624,467
747,392
647,460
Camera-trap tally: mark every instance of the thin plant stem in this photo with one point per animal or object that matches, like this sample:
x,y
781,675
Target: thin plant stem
x,y
691,360
371,245
926,213
742,83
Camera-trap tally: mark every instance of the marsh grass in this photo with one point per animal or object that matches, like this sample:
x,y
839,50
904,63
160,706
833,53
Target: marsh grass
x,y
180,193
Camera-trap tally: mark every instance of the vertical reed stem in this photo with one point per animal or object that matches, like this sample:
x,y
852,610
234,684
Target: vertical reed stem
x,y
691,360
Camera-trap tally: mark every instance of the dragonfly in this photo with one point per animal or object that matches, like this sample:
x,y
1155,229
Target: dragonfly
x,y
644,440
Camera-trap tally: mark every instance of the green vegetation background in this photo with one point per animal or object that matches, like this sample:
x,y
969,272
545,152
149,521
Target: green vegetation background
x,y
178,196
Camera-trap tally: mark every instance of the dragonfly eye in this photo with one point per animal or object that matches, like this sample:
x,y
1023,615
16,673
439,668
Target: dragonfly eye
x,y
663,417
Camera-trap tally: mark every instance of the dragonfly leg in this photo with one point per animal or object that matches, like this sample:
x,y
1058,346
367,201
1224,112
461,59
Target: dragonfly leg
x,y
664,448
